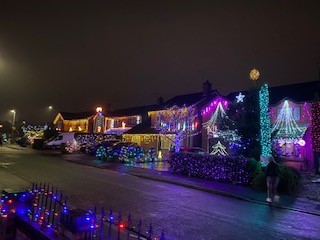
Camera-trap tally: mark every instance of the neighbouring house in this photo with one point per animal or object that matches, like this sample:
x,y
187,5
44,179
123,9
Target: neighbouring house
x,y
121,120
149,133
291,118
75,122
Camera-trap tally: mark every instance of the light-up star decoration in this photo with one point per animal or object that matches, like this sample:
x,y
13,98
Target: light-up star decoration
x,y
240,97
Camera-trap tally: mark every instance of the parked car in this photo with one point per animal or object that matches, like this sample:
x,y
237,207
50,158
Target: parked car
x,y
195,150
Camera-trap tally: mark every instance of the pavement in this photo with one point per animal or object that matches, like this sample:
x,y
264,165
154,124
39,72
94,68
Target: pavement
x,y
161,172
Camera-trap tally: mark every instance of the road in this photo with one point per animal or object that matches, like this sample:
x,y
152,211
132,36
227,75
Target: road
x,y
183,213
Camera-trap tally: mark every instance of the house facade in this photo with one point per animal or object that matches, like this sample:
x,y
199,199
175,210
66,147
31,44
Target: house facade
x,y
180,115
157,126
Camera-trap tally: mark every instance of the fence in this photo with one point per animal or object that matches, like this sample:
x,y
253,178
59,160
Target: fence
x,y
42,213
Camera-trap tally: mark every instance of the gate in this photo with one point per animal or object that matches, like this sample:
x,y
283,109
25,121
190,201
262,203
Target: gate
x,y
42,213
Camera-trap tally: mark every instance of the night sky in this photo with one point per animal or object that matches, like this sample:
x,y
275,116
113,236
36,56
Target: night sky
x,y
75,55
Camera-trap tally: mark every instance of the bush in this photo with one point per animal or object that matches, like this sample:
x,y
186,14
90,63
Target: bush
x,y
288,183
226,169
289,179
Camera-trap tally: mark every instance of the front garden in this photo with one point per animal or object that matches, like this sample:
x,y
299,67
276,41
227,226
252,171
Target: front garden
x,y
235,170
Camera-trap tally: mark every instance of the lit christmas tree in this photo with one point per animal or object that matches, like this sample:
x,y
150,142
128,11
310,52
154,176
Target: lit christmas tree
x,y
265,129
219,149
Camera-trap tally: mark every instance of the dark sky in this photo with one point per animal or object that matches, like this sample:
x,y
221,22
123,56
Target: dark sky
x,y
75,55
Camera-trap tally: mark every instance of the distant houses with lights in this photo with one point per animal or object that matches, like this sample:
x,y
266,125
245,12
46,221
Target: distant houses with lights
x,y
290,109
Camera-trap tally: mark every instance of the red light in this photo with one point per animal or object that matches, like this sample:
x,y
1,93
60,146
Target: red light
x,y
9,201
121,225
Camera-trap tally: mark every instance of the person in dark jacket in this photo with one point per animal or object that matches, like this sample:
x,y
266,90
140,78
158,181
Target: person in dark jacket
x,y
272,176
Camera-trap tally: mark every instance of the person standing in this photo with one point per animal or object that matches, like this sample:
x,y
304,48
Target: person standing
x,y
272,177
0,140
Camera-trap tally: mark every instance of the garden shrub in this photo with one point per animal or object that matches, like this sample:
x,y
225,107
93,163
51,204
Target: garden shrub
x,y
226,169
237,170
289,179
288,183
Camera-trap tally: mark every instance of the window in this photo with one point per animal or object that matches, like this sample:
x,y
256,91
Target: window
x,y
296,113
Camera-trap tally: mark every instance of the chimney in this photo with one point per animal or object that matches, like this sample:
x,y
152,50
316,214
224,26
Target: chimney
x,y
160,100
206,86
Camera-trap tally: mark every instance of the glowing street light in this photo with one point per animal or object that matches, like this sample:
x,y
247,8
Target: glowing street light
x,y
99,109
50,107
13,123
254,75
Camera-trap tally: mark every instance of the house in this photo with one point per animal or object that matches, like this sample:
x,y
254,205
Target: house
x,y
291,118
86,122
74,122
290,115
149,133
121,120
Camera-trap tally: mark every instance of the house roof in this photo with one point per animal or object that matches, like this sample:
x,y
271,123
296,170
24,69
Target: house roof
x,y
143,128
298,92
133,111
81,115
189,99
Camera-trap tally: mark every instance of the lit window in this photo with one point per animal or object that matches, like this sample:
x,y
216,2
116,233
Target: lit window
x,y
296,113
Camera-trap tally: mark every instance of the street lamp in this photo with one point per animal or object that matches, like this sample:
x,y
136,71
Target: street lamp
x,y
13,123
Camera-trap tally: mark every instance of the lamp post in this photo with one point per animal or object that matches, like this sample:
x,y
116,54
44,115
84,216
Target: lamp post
x,y
13,123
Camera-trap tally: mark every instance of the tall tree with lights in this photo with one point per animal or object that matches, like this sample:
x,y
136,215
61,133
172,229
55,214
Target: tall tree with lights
x,y
179,122
265,129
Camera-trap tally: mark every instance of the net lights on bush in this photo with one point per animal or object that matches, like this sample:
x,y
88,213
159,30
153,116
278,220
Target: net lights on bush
x,y
216,168
265,129
315,127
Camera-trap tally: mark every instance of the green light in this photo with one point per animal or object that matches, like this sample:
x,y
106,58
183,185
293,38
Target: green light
x,y
265,129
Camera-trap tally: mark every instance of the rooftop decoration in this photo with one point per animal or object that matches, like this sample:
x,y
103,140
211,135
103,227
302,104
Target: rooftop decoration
x,y
218,114
219,102
240,97
254,75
